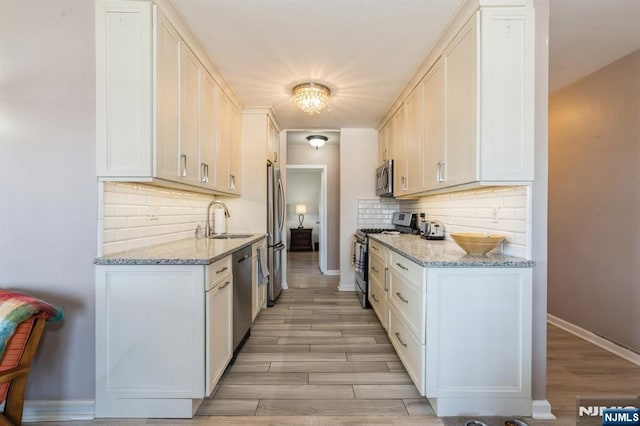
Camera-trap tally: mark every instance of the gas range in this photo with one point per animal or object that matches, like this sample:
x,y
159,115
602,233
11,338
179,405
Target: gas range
x,y
363,232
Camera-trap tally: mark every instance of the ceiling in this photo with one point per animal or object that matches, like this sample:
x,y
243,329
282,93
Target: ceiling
x,y
366,50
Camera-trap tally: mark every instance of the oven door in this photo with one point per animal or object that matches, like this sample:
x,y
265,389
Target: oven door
x,y
362,290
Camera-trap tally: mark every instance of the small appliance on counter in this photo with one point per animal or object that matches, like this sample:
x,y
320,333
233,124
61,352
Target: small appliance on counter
x,y
432,230
406,222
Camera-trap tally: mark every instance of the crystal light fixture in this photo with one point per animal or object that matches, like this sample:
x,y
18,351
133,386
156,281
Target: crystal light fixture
x,y
317,141
311,97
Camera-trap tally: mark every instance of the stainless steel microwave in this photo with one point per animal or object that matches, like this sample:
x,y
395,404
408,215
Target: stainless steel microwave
x,y
384,179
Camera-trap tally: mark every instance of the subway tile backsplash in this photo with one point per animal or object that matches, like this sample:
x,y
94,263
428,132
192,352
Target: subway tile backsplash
x,y
376,212
497,210
136,215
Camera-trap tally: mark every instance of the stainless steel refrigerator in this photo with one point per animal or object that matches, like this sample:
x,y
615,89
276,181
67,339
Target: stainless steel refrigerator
x,y
275,227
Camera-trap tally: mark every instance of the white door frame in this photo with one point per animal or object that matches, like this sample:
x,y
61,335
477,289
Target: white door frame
x,y
323,207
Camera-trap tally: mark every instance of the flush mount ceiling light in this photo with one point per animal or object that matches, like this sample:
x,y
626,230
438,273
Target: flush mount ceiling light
x,y
317,141
311,97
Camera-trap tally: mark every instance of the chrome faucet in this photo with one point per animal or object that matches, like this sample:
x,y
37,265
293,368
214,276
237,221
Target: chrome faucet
x,y
208,231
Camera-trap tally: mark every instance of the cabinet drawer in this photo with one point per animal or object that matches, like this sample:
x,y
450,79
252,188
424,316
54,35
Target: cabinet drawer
x,y
377,249
409,349
378,302
406,267
218,271
376,270
408,297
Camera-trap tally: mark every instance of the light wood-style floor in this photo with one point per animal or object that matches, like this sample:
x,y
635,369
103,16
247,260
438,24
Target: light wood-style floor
x,y
317,358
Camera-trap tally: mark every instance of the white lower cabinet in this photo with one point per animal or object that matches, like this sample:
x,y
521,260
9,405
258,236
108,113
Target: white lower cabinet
x,y
219,322
162,340
377,278
463,334
478,358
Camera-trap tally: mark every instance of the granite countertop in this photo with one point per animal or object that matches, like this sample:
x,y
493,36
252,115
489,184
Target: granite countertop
x,y
189,251
444,253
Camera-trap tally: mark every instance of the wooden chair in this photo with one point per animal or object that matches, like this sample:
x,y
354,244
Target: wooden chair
x,y
15,366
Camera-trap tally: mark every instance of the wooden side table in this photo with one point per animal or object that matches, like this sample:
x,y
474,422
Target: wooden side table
x,y
301,239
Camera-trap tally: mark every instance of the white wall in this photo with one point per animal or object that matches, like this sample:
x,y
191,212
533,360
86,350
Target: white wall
x,y
359,154
48,188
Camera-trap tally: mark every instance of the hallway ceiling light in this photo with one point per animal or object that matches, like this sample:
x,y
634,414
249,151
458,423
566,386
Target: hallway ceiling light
x,y
311,97
317,141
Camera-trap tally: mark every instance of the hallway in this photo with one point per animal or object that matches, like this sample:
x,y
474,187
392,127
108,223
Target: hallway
x,y
317,352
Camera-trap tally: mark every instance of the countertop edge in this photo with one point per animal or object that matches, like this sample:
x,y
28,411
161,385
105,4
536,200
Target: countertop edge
x,y
102,261
464,262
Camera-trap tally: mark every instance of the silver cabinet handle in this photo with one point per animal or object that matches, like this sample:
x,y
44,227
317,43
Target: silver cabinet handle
x,y
225,285
275,156
375,298
385,279
373,268
183,165
402,267
222,270
232,182
204,172
439,174
400,340
401,298
375,248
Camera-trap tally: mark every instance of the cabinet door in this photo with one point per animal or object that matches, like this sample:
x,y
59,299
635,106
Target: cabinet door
x,y
189,115
415,139
273,142
235,158
434,126
461,62
168,133
149,334
124,88
222,141
383,138
507,105
219,332
207,145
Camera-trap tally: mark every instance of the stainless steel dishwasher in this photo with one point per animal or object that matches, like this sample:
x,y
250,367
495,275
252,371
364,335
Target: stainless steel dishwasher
x,y
241,297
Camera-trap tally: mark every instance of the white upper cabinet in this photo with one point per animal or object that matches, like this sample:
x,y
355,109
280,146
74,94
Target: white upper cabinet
x,y
160,115
469,121
458,166
434,127
273,143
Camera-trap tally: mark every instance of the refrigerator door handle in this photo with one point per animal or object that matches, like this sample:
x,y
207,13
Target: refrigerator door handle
x,y
282,204
278,247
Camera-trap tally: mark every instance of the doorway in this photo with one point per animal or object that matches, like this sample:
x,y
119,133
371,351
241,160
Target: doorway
x,y
307,210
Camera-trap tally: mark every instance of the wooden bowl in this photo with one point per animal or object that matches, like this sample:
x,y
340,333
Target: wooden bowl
x,y
475,243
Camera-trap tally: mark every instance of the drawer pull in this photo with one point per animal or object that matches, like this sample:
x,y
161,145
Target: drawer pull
x,y
400,340
222,270
402,266
375,248
375,298
373,268
401,298
225,285
385,279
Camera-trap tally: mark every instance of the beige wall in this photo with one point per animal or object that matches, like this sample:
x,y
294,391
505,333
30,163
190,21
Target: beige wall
x,y
328,155
48,187
594,202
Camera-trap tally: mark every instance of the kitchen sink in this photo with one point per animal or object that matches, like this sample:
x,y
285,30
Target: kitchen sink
x,y
229,236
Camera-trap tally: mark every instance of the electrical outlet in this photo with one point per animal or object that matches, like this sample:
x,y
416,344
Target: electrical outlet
x,y
495,212
154,212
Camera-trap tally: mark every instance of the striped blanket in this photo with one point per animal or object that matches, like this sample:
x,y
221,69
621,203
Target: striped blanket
x,y
16,307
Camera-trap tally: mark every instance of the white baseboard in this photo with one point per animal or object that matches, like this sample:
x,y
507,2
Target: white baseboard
x,y
332,272
346,287
58,411
541,410
595,339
